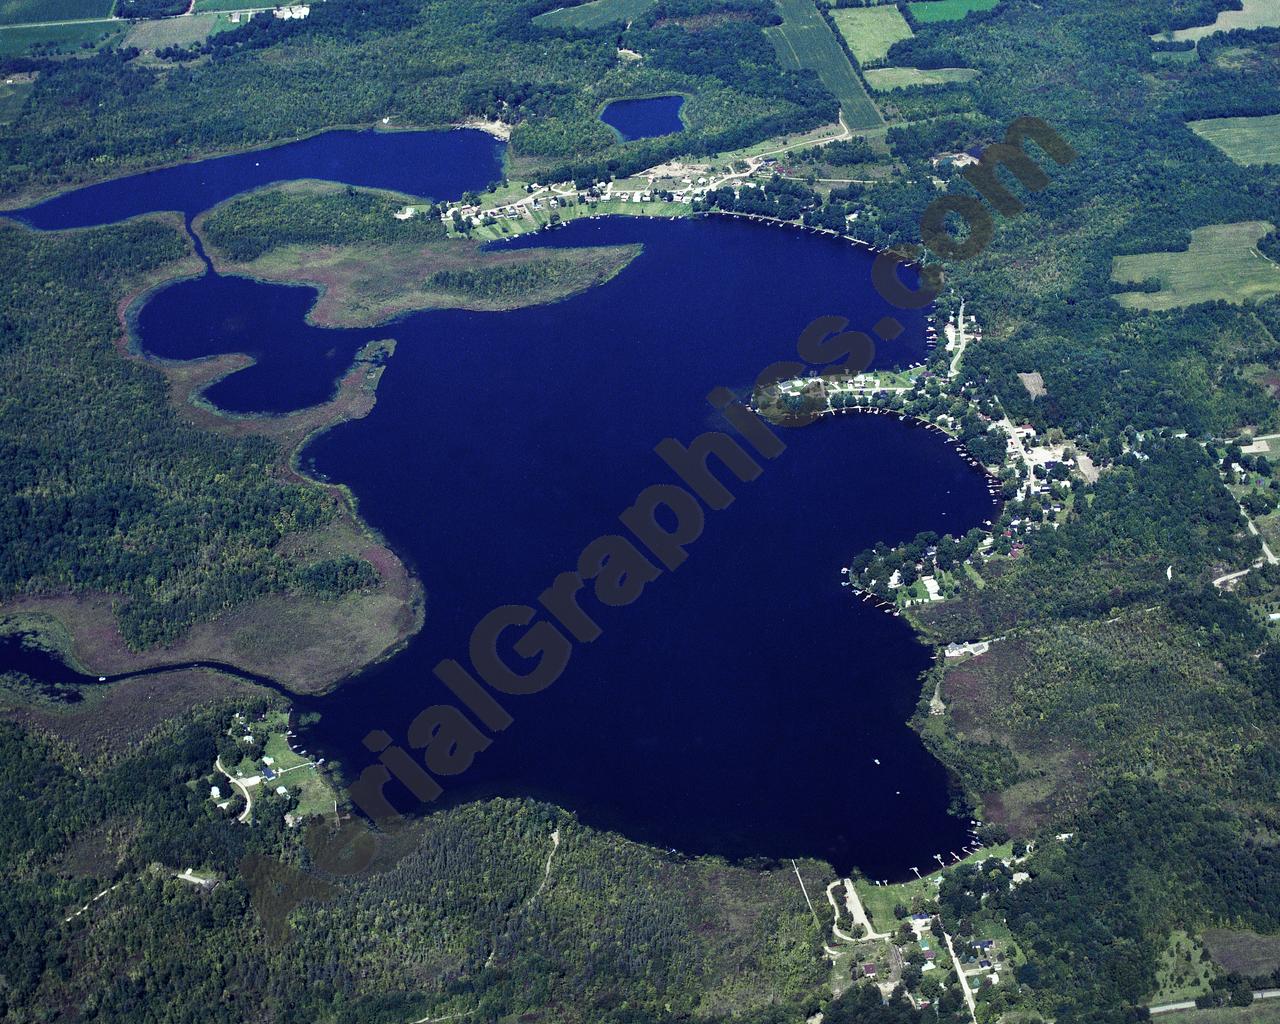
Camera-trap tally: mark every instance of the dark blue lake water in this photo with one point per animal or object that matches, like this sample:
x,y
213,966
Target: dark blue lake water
x,y
436,165
741,704
644,119
746,704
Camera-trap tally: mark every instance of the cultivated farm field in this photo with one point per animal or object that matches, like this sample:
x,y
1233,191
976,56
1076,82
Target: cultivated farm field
x,y
1247,140
16,12
593,14
870,31
805,40
947,10
884,79
59,38
1222,262
1254,14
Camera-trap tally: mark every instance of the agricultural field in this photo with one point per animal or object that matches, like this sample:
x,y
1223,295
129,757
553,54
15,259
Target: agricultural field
x,y
13,94
1247,140
885,79
947,10
18,12
1255,14
15,42
1222,262
870,31
593,14
203,6
804,40
1244,951
149,36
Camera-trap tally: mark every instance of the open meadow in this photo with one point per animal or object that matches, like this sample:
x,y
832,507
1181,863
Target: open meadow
x,y
593,14
926,11
804,40
149,36
13,94
1247,140
870,31
885,79
1222,262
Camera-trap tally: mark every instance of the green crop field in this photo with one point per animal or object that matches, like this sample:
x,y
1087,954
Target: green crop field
x,y
884,79
1222,263
16,12
805,40
593,14
947,10
1247,140
63,38
1255,14
870,31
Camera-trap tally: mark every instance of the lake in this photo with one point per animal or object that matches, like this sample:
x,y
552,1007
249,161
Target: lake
x,y
644,119
436,165
746,704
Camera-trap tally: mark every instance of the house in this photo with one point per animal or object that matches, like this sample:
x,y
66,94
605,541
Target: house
x,y
268,774
282,791
931,954
215,793
868,970
984,964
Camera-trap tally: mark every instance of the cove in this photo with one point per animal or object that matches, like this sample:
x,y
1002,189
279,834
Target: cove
x,y
746,704
436,165
644,119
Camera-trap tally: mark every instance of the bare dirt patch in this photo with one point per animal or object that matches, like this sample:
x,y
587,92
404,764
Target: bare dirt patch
x,y
1034,384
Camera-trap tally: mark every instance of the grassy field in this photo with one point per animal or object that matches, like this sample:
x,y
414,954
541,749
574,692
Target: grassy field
x,y
203,6
1255,14
879,900
1265,1011
593,14
870,31
16,12
1221,263
1247,140
947,10
156,35
13,94
15,42
1180,973
884,79
295,771
805,40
